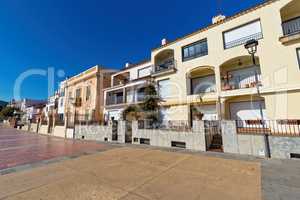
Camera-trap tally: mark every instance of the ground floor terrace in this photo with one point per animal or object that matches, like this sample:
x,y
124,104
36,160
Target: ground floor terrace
x,y
138,172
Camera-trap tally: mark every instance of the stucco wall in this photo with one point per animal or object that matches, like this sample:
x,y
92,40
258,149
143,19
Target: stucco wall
x,y
43,129
33,127
277,73
59,131
69,133
194,140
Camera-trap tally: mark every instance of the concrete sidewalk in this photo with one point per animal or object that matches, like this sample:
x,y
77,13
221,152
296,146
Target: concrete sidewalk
x,y
136,173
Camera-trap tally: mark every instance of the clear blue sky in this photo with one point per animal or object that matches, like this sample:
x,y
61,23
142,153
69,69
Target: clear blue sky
x,y
74,35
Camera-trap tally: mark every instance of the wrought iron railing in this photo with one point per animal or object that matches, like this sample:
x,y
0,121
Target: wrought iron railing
x,y
270,127
291,26
239,82
113,100
243,40
167,65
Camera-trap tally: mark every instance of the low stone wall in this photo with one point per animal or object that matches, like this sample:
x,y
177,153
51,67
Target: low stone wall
x,y
249,144
282,147
93,132
43,129
33,127
59,131
25,128
241,144
193,140
69,133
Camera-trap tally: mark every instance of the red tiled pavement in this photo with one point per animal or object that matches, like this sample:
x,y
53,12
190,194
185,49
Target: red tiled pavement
x,y
19,148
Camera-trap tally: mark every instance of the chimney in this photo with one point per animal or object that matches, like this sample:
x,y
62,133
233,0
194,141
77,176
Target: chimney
x,y
164,41
218,19
127,65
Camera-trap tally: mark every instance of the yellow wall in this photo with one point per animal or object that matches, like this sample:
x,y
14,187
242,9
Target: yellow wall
x,y
278,62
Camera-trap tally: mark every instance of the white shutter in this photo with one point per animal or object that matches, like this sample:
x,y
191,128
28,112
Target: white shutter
x,y
236,36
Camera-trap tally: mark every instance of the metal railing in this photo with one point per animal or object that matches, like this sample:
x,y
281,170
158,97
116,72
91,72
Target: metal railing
x,y
167,65
243,40
269,127
240,82
175,125
291,26
113,100
88,120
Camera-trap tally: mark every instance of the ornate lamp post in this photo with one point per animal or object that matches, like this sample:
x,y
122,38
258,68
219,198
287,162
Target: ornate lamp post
x,y
251,46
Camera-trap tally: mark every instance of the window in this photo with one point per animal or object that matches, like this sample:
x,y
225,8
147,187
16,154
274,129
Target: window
x,y
195,50
242,34
164,88
144,72
298,55
203,84
78,93
88,93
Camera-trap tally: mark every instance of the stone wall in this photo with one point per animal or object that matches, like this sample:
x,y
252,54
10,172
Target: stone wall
x,y
282,147
93,132
194,139
249,144
25,128
43,129
241,144
69,133
33,127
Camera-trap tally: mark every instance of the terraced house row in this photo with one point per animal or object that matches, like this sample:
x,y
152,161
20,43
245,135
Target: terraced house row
x,y
210,70
232,86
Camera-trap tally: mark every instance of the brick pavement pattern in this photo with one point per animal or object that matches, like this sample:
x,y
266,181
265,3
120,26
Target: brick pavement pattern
x,y
20,148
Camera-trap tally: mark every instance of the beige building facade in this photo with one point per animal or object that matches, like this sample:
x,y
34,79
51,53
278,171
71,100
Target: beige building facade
x,y
127,88
210,71
83,93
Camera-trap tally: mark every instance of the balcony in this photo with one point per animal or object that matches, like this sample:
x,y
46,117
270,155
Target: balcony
x,y
168,66
291,30
121,79
115,98
240,73
290,22
241,82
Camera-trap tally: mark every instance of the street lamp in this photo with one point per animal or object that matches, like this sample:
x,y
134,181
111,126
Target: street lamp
x,y
251,46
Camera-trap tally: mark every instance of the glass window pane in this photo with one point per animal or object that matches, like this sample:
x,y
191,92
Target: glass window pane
x,y
186,53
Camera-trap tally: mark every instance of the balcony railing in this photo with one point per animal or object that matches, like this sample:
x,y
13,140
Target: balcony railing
x,y
231,82
114,100
78,102
291,27
168,65
243,40
286,127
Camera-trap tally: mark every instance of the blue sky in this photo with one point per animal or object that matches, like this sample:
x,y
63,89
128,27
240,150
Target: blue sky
x,y
73,35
